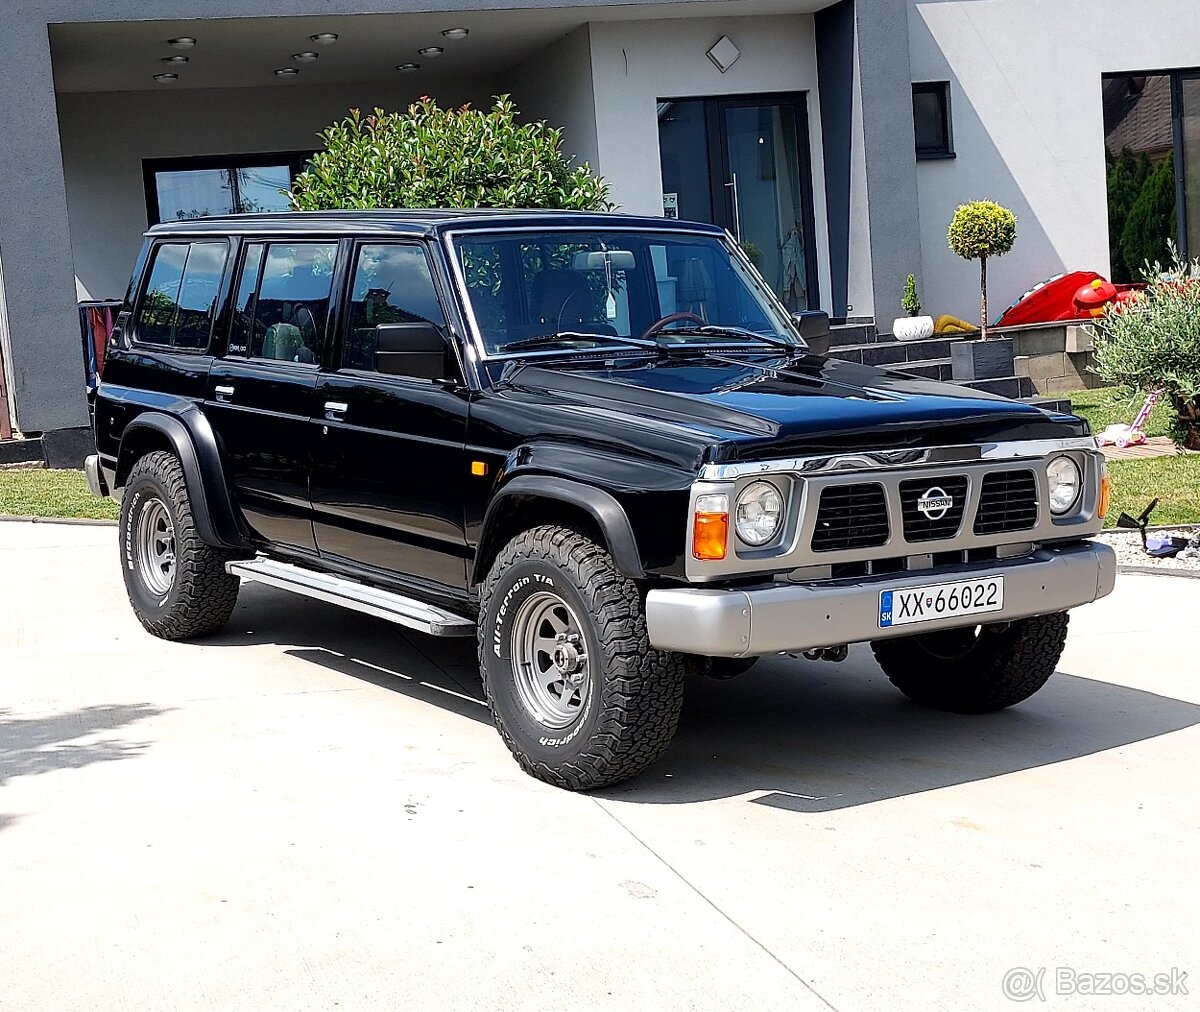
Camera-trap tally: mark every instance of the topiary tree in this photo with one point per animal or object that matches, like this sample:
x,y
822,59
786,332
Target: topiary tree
x,y
434,157
979,230
1127,175
1151,224
909,301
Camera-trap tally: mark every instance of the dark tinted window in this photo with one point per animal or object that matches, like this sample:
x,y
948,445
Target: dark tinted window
x,y
292,306
181,295
243,303
392,284
931,119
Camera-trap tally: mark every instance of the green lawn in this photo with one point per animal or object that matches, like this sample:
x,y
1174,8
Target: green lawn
x,y
1174,480
37,492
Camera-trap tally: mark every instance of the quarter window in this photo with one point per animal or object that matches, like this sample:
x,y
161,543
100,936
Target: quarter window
x,y
291,307
931,119
180,300
392,284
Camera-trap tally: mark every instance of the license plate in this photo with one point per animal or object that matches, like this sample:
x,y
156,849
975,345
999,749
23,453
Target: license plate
x,y
941,600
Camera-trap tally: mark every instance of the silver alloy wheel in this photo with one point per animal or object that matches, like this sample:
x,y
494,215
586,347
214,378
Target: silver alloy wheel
x,y
154,544
550,660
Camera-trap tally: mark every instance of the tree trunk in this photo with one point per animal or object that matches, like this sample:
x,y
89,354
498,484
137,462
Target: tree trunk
x,y
983,316
1187,411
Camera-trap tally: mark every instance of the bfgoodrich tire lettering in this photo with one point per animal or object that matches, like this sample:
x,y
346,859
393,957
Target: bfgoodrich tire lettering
x,y
178,591
624,712
969,671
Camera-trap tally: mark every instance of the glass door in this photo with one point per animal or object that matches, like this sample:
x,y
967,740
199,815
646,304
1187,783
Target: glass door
x,y
742,163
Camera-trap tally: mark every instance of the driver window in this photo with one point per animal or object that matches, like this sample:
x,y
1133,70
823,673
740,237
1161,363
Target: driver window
x,y
292,306
392,284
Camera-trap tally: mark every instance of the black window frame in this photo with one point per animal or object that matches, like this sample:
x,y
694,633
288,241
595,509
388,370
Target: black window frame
x,y
135,314
295,161
941,91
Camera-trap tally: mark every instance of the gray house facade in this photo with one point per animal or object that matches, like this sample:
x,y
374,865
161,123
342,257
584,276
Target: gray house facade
x,y
834,139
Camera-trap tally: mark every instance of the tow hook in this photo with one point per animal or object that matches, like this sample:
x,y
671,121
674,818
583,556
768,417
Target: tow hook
x,y
834,654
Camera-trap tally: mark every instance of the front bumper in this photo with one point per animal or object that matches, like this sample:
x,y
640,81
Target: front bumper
x,y
775,617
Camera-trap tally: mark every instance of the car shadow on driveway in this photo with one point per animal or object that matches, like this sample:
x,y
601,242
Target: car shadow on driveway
x,y
805,736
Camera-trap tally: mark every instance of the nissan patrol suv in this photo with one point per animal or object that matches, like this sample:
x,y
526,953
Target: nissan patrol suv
x,y
596,443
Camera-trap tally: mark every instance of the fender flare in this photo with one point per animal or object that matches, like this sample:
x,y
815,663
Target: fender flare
x,y
196,447
602,506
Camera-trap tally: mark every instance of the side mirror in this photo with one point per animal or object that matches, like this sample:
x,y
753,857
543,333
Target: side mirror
x,y
813,325
410,349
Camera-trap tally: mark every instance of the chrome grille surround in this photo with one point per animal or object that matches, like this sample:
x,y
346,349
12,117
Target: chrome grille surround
x,y
804,479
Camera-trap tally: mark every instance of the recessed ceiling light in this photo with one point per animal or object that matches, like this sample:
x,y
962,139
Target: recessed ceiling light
x,y
324,38
456,33
287,72
166,78
183,42
177,58
305,57
408,67
431,51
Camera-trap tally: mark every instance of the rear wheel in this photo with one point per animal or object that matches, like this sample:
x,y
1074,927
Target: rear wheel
x,y
176,583
977,669
579,696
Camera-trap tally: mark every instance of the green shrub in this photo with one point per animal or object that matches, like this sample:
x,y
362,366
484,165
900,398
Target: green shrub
x,y
909,302
434,157
1154,342
1151,223
979,230
1127,175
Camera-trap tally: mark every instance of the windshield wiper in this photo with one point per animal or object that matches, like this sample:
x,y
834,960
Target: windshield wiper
x,y
723,331
563,336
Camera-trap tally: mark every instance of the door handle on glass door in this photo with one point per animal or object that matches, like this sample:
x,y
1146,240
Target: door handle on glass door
x,y
223,393
336,410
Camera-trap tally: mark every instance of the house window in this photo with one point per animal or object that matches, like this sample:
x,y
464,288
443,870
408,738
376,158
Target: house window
x,y
182,188
931,119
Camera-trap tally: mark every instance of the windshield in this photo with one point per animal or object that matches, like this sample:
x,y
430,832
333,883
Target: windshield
x,y
567,288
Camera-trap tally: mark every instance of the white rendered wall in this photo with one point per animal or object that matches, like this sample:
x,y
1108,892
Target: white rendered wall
x,y
1029,129
636,63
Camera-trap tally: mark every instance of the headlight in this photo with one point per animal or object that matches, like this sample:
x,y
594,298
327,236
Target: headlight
x,y
759,513
1065,481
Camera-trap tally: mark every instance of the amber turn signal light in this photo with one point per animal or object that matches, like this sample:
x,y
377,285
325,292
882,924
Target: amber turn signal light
x,y
710,527
1105,497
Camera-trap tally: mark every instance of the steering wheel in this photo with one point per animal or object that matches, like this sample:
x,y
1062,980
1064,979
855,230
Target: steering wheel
x,y
658,325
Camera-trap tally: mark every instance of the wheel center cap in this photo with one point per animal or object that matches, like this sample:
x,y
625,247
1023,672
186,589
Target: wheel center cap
x,y
568,658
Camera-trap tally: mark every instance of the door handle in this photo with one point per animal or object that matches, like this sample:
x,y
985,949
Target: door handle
x,y
336,410
223,393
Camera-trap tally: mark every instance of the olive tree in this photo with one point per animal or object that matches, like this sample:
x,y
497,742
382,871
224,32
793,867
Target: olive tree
x,y
979,230
429,157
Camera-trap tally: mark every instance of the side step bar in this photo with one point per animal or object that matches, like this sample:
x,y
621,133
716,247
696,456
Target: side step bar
x,y
383,604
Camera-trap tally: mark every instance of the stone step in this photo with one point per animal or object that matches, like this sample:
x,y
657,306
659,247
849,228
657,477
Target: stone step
x,y
1016,387
887,351
933,368
843,334
21,451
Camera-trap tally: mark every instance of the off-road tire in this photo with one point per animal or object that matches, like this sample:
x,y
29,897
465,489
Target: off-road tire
x,y
720,668
202,595
635,693
1005,665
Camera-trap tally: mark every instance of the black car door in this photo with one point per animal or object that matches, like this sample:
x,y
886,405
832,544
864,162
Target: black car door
x,y
390,462
261,393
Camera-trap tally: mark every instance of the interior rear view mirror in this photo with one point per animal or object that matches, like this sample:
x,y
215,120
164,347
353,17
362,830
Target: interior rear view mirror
x,y
616,259
410,349
813,325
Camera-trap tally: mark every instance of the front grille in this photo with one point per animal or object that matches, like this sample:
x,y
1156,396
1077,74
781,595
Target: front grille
x,y
1007,502
851,516
919,527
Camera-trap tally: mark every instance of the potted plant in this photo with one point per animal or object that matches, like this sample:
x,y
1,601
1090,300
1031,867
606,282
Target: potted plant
x,y
914,326
1153,342
980,230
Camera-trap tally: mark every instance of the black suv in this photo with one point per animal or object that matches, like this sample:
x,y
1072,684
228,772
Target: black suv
x,y
597,443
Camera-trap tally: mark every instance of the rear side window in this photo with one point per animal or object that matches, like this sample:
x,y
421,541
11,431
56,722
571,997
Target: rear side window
x,y
180,300
291,306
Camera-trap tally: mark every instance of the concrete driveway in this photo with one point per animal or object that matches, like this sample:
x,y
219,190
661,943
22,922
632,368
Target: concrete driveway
x,y
312,811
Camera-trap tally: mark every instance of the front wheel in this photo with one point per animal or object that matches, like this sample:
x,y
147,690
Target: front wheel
x,y
976,669
579,696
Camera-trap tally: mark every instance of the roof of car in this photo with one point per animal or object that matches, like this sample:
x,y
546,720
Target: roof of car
x,y
423,222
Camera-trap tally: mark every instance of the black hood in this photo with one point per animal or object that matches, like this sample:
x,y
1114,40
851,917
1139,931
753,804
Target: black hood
x,y
755,406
